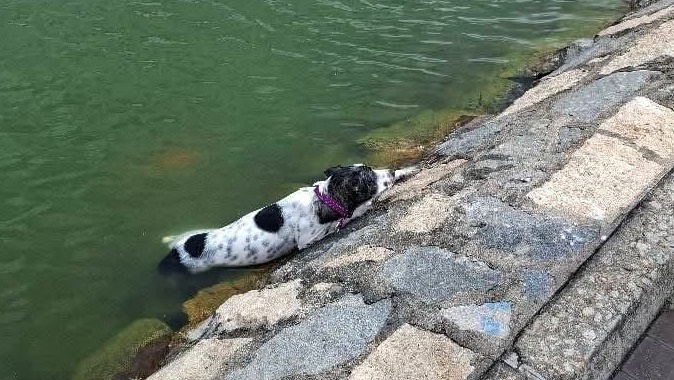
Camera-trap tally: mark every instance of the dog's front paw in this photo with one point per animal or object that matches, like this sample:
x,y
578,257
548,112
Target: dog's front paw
x,y
405,173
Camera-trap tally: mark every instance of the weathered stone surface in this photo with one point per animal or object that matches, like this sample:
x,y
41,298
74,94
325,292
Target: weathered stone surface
x,y
584,51
464,143
637,21
595,320
537,284
207,360
363,253
502,371
491,319
415,185
533,236
330,336
547,87
659,42
259,308
646,124
603,179
435,274
425,215
412,353
648,7
599,97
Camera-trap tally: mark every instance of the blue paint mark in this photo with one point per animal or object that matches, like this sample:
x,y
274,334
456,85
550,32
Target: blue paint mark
x,y
490,326
499,306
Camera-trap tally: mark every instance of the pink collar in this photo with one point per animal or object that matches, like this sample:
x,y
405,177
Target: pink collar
x,y
333,205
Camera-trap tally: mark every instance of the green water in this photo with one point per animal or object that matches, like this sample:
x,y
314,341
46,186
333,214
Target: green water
x,y
125,121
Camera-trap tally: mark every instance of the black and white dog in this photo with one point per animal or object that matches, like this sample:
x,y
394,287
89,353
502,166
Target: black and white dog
x,y
296,221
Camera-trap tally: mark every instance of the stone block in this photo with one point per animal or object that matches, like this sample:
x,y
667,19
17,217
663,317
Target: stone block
x,y
546,88
529,236
658,42
594,321
601,96
424,215
464,143
330,336
413,353
421,181
646,124
435,274
259,308
207,360
603,180
637,21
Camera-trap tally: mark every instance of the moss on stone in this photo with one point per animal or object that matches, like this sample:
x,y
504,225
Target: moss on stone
x,y
207,300
406,140
117,355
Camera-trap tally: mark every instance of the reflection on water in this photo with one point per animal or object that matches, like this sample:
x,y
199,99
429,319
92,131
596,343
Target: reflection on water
x,y
125,121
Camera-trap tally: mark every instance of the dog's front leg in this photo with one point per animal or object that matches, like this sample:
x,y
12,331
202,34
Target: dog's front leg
x,y
405,173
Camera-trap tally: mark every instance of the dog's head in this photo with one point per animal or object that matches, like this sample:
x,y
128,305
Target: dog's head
x,y
356,184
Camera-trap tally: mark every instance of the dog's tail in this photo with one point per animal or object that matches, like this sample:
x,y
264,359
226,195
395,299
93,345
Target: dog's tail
x,y
168,240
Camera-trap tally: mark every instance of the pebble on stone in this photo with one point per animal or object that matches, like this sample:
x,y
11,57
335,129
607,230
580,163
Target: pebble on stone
x,y
259,308
491,319
412,353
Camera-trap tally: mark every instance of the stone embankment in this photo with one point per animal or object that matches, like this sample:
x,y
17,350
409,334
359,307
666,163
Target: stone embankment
x,y
538,246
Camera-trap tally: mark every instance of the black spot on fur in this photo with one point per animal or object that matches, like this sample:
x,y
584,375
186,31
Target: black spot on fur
x,y
270,218
195,245
171,263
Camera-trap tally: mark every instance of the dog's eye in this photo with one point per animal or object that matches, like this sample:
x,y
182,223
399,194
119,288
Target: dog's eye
x,y
387,183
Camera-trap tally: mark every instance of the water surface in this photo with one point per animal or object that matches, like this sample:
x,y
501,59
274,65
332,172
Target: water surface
x,y
125,121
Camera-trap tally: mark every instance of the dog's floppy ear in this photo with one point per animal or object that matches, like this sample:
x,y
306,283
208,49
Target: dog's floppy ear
x,y
330,171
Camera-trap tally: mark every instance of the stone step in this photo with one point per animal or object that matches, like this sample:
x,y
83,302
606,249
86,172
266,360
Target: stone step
x,y
586,330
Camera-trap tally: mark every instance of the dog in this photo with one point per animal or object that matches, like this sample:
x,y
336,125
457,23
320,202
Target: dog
x,y
296,221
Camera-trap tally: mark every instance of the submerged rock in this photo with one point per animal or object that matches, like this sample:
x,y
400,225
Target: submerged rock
x,y
133,353
207,300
